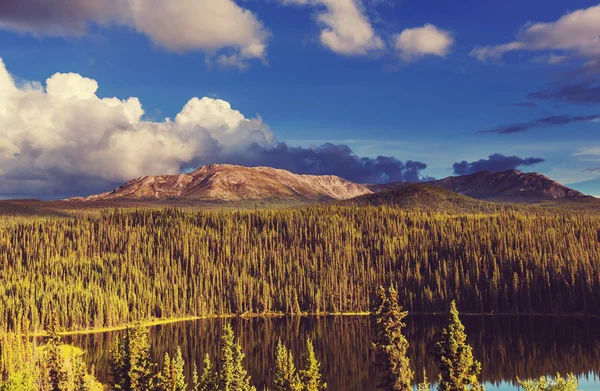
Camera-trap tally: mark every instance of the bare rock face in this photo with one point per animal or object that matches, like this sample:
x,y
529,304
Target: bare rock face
x,y
225,182
508,186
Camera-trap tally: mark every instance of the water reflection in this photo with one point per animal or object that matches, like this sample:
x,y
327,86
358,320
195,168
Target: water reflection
x,y
507,346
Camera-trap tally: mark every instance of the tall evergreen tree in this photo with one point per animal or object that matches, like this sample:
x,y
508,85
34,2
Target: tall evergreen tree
x,y
141,373
227,358
458,369
119,365
424,385
390,344
209,380
54,360
311,372
233,376
172,377
285,378
81,381
131,365
241,379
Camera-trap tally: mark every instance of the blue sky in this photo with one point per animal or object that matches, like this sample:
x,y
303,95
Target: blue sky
x,y
426,99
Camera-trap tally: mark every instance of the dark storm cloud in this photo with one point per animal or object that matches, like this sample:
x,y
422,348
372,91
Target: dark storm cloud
x,y
330,159
495,163
64,17
530,105
554,120
582,93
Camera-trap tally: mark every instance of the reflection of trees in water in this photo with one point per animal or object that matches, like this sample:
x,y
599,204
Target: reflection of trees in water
x,y
507,346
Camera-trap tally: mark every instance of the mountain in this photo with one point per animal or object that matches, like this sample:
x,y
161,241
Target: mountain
x,y
225,182
423,196
509,186
505,186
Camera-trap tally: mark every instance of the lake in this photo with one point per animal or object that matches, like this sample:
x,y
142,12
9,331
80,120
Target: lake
x,y
507,346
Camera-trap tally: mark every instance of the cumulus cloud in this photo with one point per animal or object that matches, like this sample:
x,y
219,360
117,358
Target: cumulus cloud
x,y
495,163
178,26
554,120
576,34
581,93
66,131
412,44
346,27
62,139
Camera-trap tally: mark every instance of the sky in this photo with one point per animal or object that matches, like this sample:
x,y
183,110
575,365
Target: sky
x,y
97,92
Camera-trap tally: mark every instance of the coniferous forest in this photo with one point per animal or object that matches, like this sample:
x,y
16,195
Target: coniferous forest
x,y
94,269
114,267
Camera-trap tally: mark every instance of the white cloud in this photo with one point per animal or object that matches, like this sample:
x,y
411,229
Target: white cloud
x,y
178,26
411,44
346,29
59,136
588,151
576,34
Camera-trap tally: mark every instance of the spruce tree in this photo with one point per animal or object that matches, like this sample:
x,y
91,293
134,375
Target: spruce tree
x,y
80,379
140,368
286,378
425,385
131,365
172,377
458,369
209,380
57,377
390,344
311,373
227,359
241,379
119,365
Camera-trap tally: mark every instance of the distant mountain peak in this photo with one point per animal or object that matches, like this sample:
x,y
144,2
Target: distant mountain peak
x,y
508,186
227,182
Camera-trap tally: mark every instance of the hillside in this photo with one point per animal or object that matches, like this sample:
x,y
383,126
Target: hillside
x,y
424,197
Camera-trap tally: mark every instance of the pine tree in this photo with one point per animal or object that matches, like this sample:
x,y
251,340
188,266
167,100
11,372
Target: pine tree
x,y
140,368
241,380
54,361
390,344
119,364
286,378
81,378
172,377
458,369
227,358
131,365
311,373
209,380
425,385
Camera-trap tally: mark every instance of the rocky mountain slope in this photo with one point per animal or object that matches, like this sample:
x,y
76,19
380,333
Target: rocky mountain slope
x,y
505,186
508,186
224,182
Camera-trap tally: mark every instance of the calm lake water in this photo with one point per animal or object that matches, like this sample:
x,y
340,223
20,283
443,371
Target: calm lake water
x,y
507,346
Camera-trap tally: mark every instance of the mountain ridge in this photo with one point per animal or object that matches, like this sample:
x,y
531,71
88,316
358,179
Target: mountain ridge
x,y
226,182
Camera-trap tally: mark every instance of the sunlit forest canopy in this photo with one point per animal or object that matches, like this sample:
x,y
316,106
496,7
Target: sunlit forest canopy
x,y
111,267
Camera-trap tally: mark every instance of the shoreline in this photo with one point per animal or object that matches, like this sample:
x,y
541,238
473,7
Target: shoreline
x,y
160,322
